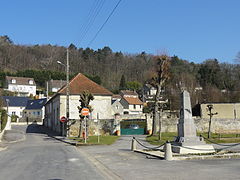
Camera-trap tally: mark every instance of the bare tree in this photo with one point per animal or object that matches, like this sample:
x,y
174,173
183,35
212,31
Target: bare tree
x,y
160,75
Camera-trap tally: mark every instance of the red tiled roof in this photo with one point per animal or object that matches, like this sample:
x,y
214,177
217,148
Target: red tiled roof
x,y
132,100
81,83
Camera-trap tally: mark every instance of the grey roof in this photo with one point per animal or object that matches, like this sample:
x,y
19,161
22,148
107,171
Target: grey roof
x,y
36,104
56,83
15,101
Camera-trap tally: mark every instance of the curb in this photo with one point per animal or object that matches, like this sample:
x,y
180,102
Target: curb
x,y
192,157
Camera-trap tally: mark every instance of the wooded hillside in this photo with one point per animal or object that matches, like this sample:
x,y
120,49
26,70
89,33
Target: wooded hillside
x,y
220,82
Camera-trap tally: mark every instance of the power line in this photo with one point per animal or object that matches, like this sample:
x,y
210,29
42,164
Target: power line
x,y
93,13
105,22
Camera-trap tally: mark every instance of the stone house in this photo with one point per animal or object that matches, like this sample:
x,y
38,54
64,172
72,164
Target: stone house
x,y
131,103
117,107
23,86
56,106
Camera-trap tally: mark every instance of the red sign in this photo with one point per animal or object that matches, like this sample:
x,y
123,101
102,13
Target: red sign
x,y
63,119
85,112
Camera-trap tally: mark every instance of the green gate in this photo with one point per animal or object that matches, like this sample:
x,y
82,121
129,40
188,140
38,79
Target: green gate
x,y
133,127
139,131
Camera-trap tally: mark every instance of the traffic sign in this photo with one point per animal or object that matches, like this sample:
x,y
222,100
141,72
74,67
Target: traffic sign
x,y
63,119
85,112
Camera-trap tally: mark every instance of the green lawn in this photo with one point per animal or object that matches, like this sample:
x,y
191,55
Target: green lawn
x,y
104,140
217,138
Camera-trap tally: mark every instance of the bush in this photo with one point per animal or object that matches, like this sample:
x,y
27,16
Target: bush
x,y
14,118
3,118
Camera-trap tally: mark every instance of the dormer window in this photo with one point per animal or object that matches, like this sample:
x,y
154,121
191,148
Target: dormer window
x,y
14,81
30,81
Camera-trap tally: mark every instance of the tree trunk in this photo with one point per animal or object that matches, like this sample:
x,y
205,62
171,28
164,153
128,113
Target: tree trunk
x,y
155,112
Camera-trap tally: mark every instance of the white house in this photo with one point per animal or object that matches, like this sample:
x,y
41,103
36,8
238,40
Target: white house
x,y
15,105
23,86
34,110
148,93
131,103
55,108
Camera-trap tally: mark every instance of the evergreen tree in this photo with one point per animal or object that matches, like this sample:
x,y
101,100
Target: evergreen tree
x,y
123,84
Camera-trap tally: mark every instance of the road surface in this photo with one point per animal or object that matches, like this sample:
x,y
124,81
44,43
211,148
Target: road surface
x,y
40,157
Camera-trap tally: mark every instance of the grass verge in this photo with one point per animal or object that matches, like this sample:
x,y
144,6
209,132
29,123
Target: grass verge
x,y
216,137
93,140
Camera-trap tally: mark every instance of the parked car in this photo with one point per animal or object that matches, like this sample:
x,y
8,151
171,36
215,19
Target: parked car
x,y
133,126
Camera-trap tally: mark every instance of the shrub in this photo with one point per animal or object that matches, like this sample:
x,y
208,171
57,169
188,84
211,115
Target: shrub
x,y
3,118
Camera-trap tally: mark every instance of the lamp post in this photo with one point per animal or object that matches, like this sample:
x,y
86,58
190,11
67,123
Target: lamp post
x,y
67,90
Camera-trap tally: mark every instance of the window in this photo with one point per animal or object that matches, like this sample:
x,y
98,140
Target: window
x,y
117,107
13,113
30,81
134,106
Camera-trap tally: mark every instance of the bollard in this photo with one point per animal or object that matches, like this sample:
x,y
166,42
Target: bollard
x,y
134,144
168,151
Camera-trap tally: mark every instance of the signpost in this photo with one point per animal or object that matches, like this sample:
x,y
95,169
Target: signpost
x,y
85,112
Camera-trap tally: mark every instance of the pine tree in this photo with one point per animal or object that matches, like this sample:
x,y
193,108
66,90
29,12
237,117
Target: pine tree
x,y
123,84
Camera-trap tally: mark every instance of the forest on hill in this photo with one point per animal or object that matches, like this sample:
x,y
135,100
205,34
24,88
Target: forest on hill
x,y
210,81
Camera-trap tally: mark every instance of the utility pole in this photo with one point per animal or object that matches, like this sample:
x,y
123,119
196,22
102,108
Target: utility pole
x,y
67,92
67,96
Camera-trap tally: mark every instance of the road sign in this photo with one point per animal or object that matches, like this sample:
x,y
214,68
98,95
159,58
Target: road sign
x,y
63,119
85,112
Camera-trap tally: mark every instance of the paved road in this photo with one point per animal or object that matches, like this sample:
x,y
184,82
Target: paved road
x,y
41,157
129,165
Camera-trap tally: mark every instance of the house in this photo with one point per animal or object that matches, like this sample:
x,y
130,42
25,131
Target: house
x,y
131,103
23,86
148,93
15,105
117,107
34,110
56,106
55,85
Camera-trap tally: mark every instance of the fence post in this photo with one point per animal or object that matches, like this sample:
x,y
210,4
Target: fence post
x,y
134,144
168,151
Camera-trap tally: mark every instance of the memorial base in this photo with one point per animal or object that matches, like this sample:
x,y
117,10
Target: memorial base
x,y
195,149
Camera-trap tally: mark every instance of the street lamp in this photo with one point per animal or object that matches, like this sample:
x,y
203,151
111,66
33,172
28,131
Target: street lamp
x,y
67,89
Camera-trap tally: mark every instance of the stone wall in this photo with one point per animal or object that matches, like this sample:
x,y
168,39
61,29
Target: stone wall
x,y
103,127
218,125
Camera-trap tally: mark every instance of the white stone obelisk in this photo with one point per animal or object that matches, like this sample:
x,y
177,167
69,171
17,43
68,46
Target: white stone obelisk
x,y
187,139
